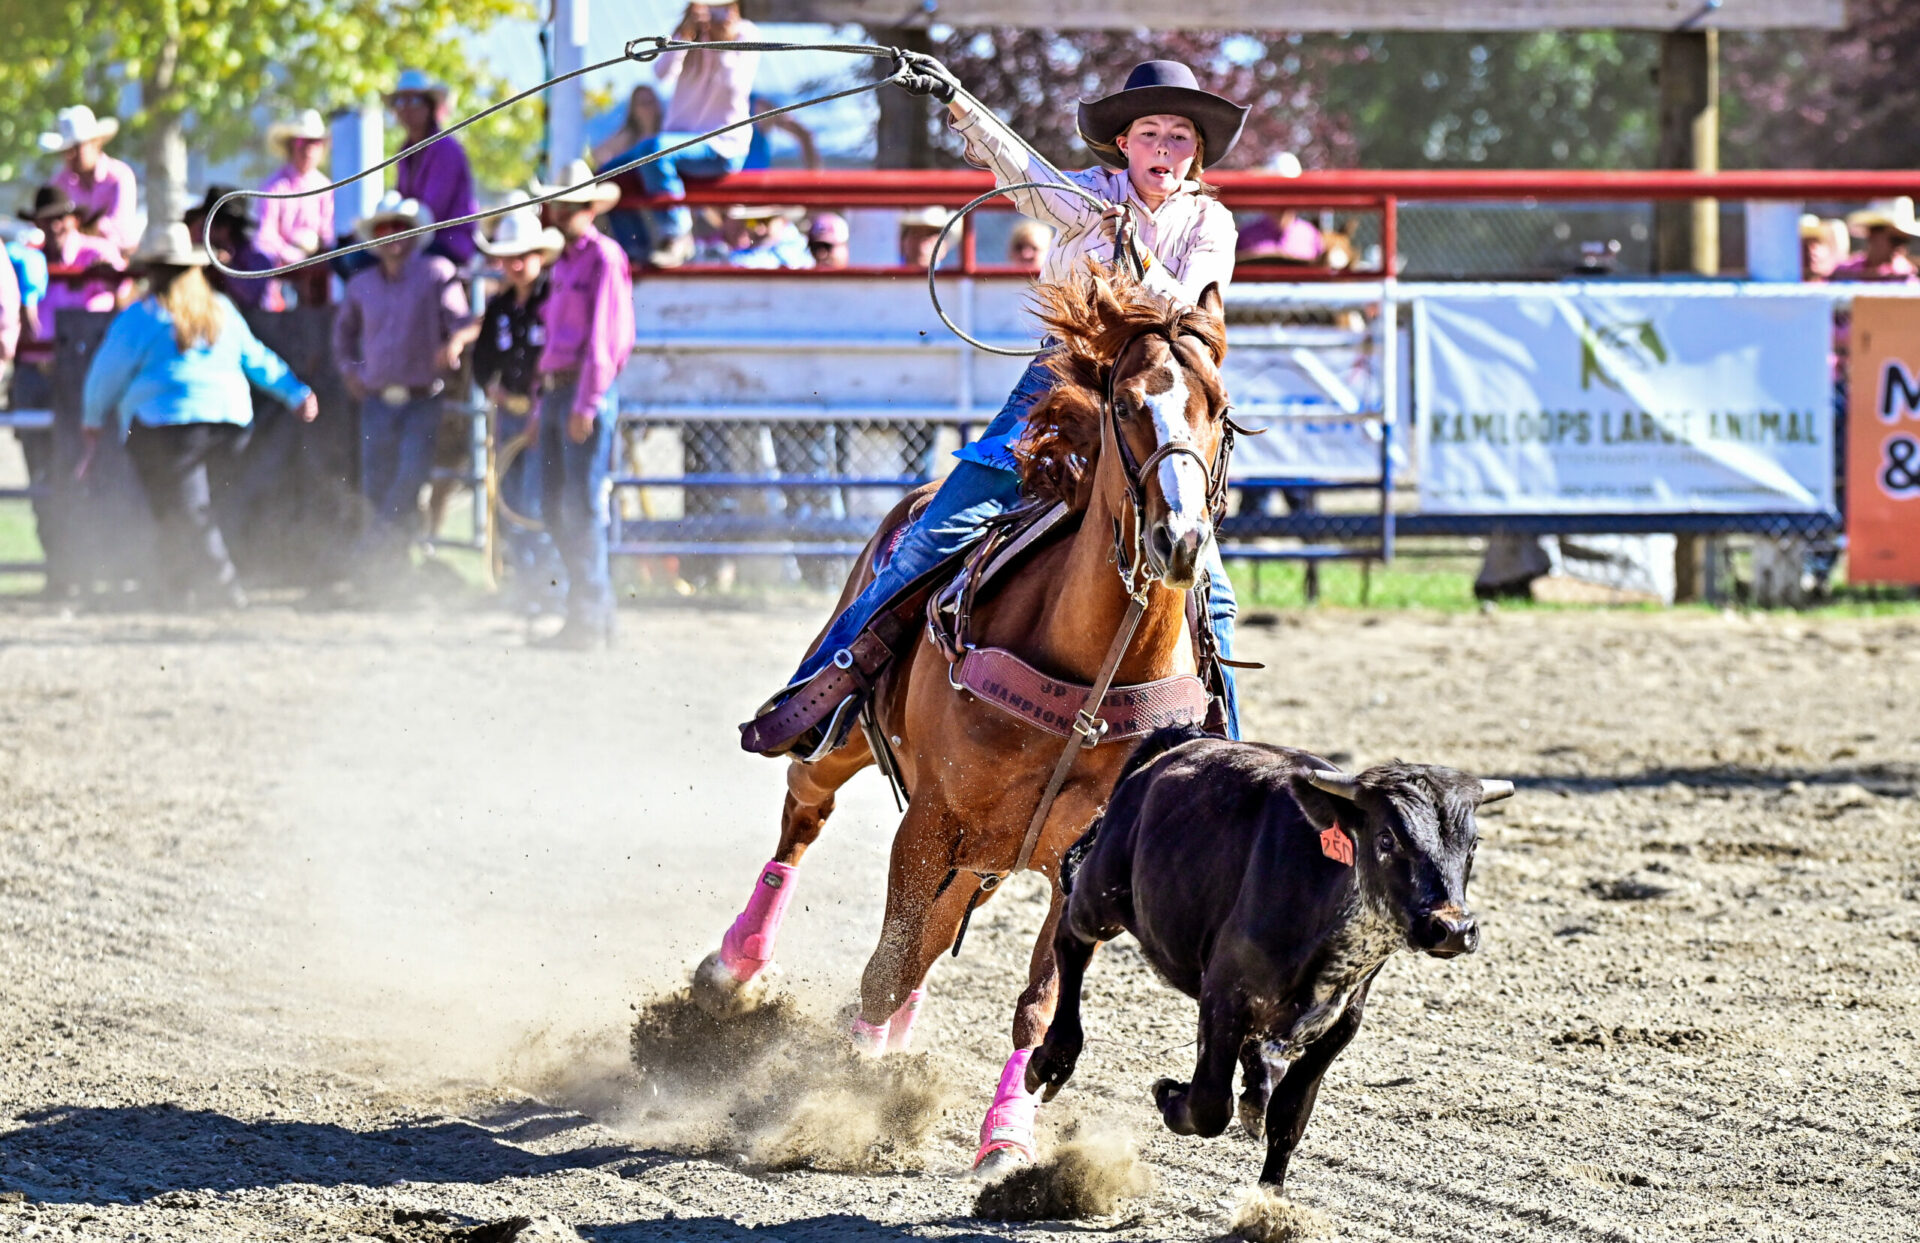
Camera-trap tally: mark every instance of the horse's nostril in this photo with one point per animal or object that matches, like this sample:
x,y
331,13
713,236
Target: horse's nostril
x,y
1160,541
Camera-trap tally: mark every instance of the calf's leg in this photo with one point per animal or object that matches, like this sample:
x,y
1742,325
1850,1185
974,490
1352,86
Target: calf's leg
x,y
1204,1106
1293,1100
1256,1088
1054,1060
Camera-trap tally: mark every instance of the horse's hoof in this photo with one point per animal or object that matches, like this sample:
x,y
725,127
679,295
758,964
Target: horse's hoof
x,y
1253,1120
716,991
996,1163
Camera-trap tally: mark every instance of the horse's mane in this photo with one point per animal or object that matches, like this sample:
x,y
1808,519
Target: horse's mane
x,y
1093,314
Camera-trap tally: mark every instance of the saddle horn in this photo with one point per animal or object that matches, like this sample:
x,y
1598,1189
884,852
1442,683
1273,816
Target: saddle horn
x,y
1340,785
1494,791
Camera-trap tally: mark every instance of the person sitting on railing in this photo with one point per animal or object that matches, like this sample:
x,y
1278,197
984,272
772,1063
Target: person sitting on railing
x,y
171,379
506,362
1286,238
437,177
1154,136
101,187
760,149
1823,244
711,88
639,122
828,239
401,329
764,237
296,229
590,334
1888,227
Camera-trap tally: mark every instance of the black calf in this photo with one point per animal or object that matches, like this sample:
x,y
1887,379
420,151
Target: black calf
x,y
1271,888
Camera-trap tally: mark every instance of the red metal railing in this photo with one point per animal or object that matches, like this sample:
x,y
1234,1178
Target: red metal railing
x,y
1372,190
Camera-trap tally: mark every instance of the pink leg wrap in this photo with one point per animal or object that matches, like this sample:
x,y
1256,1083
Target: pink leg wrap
x,y
900,1026
1009,1123
869,1040
748,946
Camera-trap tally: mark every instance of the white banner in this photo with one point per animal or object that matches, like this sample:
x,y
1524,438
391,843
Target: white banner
x,y
1585,403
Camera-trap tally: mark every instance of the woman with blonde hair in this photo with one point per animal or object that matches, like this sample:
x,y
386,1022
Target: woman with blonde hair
x,y
171,378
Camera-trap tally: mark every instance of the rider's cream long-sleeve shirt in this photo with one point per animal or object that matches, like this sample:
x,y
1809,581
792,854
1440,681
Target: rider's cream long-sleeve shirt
x,y
1192,236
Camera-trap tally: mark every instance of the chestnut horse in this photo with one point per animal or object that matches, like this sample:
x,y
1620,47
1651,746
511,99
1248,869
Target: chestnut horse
x,y
1131,363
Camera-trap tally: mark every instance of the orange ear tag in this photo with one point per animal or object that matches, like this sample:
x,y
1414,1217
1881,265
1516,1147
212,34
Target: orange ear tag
x,y
1336,845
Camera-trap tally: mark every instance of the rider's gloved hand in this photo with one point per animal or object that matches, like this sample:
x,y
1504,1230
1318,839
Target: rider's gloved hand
x,y
927,76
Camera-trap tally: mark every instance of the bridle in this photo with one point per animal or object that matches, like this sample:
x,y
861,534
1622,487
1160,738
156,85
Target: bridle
x,y
1129,554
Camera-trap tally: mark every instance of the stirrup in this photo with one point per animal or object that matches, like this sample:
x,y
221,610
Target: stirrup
x,y
806,719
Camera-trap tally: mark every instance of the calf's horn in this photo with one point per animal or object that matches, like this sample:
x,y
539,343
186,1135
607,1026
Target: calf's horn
x,y
1494,791
1340,785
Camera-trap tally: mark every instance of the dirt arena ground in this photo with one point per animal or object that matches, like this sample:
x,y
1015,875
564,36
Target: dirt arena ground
x,y
334,926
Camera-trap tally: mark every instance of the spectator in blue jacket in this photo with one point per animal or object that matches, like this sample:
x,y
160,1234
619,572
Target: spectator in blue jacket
x,y
171,379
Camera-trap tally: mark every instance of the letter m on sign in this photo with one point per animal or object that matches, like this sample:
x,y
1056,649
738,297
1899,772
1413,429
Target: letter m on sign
x,y
1899,392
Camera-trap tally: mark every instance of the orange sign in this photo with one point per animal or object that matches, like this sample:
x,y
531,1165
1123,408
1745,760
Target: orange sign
x,y
1883,443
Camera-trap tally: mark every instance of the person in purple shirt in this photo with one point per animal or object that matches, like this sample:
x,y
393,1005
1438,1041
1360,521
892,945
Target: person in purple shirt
x,y
296,229
229,235
589,328
438,178
100,186
400,331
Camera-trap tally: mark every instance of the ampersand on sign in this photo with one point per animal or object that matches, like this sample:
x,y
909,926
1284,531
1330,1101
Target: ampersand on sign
x,y
1901,476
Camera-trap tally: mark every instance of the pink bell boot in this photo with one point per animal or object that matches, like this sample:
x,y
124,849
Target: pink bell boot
x,y
1009,1123
748,946
869,1039
900,1026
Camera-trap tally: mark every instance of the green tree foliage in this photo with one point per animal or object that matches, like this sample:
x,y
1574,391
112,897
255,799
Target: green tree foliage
x,y
1546,100
212,73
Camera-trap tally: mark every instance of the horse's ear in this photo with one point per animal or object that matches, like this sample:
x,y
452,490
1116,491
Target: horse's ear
x,y
1212,303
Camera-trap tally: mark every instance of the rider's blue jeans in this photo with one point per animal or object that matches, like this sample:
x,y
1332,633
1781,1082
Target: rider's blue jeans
x,y
952,519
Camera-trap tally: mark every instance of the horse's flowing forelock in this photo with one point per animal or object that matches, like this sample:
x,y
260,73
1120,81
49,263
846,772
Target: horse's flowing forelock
x,y
1093,314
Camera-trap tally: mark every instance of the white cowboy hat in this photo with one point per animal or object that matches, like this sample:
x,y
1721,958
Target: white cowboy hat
x,y
520,232
602,192
75,125
416,82
170,245
925,218
393,206
754,211
309,124
1895,214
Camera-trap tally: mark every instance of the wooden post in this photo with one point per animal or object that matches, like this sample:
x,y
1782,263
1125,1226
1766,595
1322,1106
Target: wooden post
x,y
904,140
1687,234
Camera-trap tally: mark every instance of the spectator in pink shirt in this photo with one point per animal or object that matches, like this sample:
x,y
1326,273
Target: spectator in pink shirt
x,y
1889,226
295,229
589,328
101,187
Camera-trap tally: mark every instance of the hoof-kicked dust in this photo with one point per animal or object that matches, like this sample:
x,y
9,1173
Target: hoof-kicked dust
x,y
1085,1177
780,1088
1266,1216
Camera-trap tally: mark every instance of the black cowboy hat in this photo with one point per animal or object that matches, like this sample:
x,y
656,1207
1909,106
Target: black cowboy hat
x,y
49,203
237,214
1157,87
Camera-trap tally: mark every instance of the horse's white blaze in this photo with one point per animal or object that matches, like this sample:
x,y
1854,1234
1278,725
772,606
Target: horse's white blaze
x,y
1181,480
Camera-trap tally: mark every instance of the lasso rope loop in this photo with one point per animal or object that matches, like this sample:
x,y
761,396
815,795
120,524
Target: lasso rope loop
x,y
644,50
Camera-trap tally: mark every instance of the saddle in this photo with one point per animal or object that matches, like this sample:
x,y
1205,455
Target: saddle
x,y
816,717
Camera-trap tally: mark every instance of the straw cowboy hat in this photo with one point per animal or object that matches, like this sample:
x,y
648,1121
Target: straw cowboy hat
x,y
393,206
934,218
519,233
309,124
1156,88
1894,214
752,211
168,245
49,203
416,82
73,126
604,193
